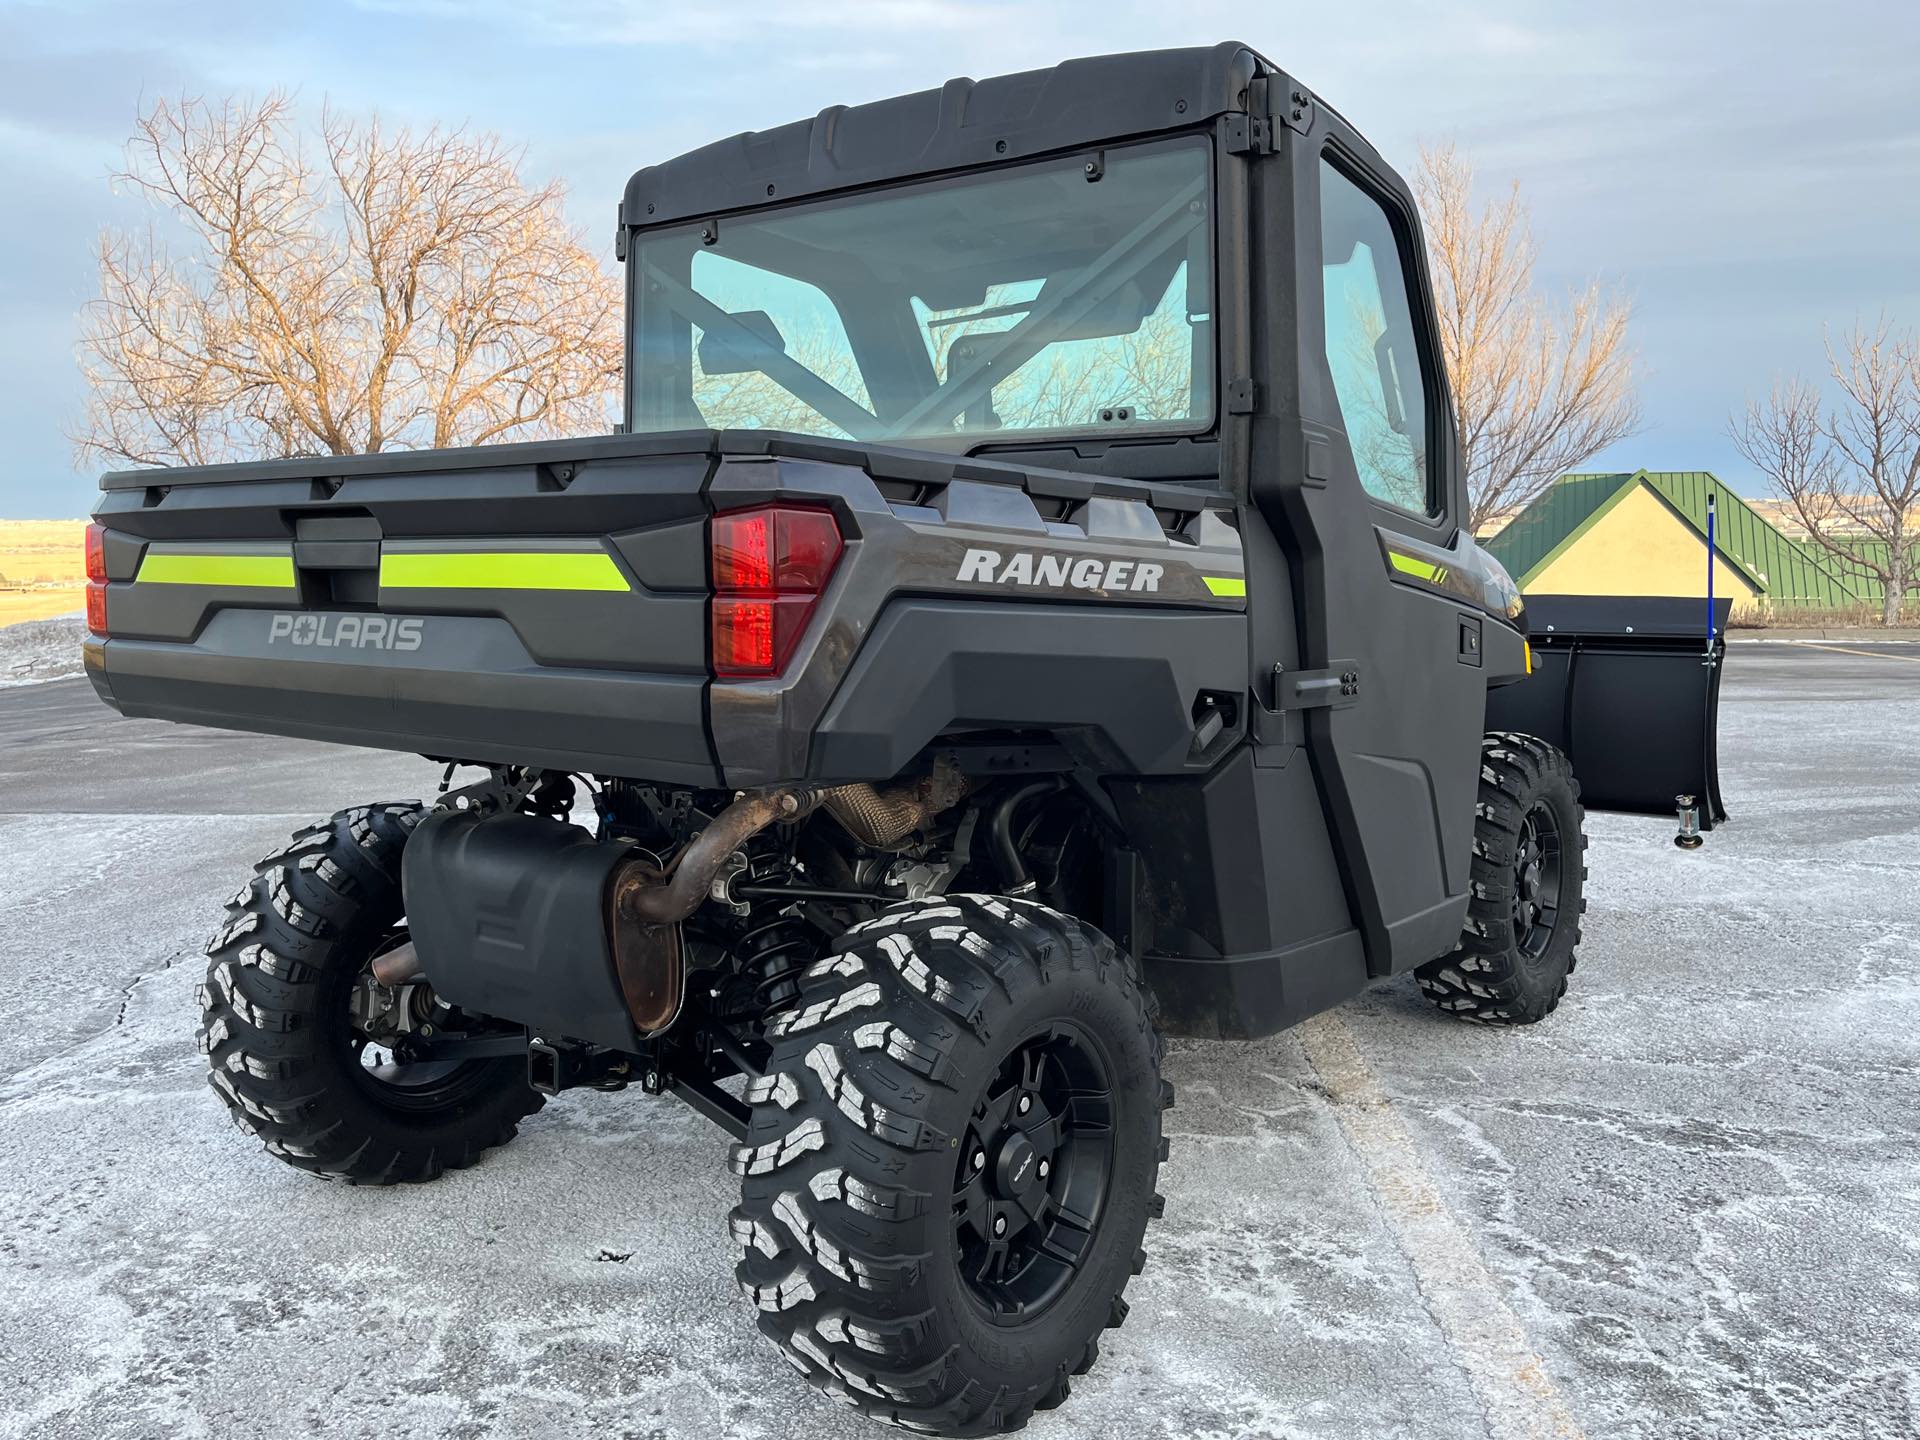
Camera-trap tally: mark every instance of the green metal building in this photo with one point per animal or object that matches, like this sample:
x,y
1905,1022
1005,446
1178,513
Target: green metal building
x,y
1644,532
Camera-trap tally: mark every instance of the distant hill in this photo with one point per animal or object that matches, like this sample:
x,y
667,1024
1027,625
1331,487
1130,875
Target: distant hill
x,y
37,550
1783,517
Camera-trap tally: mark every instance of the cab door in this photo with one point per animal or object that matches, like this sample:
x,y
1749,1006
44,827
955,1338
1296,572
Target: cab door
x,y
1362,486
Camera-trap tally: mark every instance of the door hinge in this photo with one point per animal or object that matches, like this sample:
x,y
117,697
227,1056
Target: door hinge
x,y
1248,135
1334,688
1240,397
1251,133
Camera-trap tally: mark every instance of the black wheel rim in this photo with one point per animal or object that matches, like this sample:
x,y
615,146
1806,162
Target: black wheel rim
x,y
388,1073
1536,881
1030,1189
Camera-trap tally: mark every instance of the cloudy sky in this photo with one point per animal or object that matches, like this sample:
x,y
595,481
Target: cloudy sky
x,y
1749,172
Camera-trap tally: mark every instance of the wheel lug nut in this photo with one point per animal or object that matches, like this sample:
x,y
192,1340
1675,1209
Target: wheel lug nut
x,y
999,1224
1046,1168
979,1159
1026,1104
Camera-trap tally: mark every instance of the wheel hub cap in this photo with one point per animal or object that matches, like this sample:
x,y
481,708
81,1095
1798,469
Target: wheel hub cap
x,y
1536,880
1022,1234
1017,1170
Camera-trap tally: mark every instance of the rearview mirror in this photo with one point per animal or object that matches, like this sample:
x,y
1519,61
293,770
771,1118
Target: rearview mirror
x,y
731,353
1119,314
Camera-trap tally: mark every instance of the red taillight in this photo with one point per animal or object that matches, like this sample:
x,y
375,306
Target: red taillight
x,y
776,550
743,551
96,580
756,636
769,567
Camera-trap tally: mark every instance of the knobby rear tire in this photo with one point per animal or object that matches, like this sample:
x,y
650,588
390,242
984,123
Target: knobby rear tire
x,y
276,1026
852,1244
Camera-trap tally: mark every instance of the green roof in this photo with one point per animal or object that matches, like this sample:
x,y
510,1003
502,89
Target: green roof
x,y
1559,513
1776,566
1556,515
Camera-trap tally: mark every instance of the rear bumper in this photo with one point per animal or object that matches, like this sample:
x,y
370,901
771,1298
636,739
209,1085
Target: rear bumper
x,y
525,714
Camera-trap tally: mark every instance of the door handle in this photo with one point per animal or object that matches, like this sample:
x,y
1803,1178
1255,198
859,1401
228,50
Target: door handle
x,y
1334,688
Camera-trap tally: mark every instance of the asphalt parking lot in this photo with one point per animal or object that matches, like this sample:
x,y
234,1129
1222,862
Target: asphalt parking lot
x,y
1686,1206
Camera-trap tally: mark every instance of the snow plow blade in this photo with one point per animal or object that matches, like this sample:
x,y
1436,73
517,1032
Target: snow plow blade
x,y
1629,688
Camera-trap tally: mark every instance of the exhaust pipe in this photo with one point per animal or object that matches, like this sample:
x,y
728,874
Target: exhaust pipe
x,y
646,902
648,895
885,817
399,966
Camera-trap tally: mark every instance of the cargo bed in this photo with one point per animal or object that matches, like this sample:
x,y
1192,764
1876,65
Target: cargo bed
x,y
547,604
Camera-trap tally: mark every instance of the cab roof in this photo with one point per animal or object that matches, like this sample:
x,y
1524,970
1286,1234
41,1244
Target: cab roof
x,y
961,124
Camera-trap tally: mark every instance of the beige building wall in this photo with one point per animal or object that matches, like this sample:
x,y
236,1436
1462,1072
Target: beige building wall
x,y
1640,547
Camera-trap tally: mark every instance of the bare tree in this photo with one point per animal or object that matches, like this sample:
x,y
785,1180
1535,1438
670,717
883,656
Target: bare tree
x,y
1537,389
1852,471
396,290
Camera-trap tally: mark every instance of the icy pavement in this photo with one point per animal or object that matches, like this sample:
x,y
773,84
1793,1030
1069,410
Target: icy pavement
x,y
1686,1206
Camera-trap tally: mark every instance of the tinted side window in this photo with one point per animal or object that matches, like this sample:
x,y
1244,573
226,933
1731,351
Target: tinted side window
x,y
1371,346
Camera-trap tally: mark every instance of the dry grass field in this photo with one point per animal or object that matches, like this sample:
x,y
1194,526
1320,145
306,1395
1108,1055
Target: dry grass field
x,y
33,550
18,605
42,568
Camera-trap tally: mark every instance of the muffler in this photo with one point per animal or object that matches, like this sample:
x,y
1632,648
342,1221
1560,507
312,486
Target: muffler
x,y
512,916
532,920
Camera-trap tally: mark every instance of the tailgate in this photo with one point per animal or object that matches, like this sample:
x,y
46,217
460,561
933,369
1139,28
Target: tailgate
x,y
530,604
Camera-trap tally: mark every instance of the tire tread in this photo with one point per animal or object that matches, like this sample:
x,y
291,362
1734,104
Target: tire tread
x,y
1485,980
303,911
830,1229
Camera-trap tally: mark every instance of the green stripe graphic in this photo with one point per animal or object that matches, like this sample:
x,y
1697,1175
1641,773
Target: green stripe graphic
x,y
502,570
1413,565
259,572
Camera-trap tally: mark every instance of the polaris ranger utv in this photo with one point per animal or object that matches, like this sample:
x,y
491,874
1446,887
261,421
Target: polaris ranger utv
x,y
1025,613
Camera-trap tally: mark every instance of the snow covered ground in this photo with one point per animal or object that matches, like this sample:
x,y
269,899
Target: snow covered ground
x,y
1685,1207
36,650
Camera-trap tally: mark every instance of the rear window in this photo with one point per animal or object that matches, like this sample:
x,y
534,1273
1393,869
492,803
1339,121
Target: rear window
x,y
1028,300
